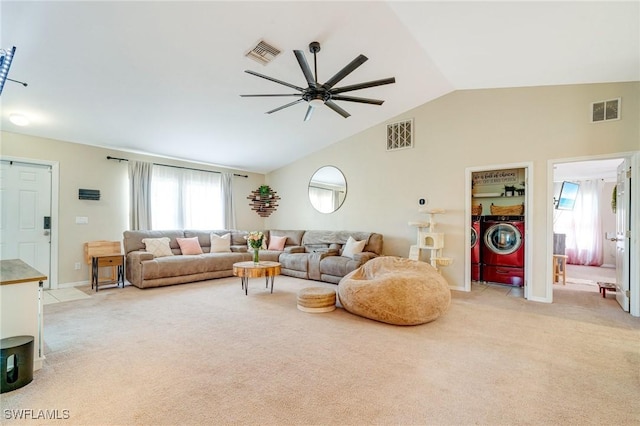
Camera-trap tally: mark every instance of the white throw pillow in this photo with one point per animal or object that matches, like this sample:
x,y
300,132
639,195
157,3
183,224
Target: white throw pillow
x,y
159,247
220,244
352,247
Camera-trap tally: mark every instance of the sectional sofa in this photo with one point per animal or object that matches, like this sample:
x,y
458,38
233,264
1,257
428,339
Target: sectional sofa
x,y
314,255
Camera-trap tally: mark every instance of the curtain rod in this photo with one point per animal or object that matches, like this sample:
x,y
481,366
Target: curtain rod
x,y
176,167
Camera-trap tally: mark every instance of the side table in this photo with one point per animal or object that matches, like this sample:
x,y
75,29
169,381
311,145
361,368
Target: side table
x,y
111,260
603,287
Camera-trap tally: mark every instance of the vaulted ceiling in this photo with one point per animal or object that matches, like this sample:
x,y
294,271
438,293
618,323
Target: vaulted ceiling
x,y
165,77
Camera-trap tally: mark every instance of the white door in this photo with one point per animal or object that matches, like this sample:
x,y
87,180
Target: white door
x,y
25,197
623,201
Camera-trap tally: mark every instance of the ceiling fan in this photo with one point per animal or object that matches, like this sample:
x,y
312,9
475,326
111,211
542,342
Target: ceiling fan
x,y
317,94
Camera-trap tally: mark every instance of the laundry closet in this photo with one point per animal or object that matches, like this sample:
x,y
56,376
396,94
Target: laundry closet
x,y
498,226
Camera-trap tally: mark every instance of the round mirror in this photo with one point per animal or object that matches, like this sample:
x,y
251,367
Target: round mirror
x,y
327,189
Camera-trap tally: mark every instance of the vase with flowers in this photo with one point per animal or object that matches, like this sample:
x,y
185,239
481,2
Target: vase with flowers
x,y
255,240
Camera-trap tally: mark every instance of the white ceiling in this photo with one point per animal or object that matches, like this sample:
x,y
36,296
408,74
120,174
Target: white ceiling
x,y
165,77
606,170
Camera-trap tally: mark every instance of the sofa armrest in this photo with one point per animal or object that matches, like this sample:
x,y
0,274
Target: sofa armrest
x,y
327,252
294,249
364,256
133,270
139,256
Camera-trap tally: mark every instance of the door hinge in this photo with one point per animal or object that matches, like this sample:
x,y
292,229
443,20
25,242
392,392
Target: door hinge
x,y
628,173
627,293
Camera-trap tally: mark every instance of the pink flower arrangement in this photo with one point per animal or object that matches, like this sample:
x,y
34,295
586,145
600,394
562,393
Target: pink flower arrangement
x,y
255,239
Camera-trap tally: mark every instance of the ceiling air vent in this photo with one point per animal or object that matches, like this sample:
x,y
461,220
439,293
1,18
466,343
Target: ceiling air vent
x,y
263,53
605,110
400,135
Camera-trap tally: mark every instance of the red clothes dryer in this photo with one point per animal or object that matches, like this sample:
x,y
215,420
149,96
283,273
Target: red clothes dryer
x,y
503,249
476,236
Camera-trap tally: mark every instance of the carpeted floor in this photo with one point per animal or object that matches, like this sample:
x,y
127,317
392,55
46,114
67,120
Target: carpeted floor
x,y
204,353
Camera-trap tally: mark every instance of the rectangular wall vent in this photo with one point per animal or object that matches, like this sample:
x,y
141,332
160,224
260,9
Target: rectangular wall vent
x,y
263,53
89,194
400,135
605,110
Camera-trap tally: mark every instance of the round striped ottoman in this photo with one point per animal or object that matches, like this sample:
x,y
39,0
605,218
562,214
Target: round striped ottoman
x,y
317,299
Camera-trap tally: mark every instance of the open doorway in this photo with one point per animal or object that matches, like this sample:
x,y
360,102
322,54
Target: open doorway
x,y
584,229
498,204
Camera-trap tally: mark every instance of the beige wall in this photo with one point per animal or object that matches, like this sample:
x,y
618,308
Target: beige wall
x,y
83,166
464,129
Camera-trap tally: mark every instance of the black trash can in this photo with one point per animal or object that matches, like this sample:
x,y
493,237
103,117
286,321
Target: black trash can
x,y
16,364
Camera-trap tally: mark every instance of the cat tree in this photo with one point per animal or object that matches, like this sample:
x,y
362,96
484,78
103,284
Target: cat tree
x,y
430,241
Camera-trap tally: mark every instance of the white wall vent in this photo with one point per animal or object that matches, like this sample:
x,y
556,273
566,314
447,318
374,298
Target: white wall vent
x,y
400,135
263,53
605,110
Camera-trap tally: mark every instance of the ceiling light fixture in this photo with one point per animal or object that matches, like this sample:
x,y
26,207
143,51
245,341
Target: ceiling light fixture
x,y
316,102
19,119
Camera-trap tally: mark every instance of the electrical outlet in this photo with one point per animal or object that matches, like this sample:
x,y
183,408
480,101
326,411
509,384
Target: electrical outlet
x,y
78,266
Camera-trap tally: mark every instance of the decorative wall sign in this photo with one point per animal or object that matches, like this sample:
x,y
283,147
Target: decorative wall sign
x,y
494,177
264,200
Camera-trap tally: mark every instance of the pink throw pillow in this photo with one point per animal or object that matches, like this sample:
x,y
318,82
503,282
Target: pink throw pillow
x,y
277,243
189,245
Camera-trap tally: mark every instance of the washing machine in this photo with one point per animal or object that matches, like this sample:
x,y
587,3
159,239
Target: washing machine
x,y
502,249
476,236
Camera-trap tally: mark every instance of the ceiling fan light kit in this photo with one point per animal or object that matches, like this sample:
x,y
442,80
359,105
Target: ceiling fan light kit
x,y
317,94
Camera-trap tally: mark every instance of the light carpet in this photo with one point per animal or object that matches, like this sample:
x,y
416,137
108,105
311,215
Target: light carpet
x,y
204,353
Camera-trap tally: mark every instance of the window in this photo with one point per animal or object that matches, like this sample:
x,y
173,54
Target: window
x,y
323,199
183,198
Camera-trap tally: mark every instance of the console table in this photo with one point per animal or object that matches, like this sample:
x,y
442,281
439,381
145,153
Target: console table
x,y
21,301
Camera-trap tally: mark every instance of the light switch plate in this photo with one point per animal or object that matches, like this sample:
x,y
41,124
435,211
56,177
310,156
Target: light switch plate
x,y
82,220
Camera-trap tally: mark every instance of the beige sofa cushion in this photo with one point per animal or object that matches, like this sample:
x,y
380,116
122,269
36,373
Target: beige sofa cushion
x,y
158,247
220,244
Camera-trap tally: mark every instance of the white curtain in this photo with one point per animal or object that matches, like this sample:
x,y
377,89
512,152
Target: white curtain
x,y
140,195
583,225
184,198
229,214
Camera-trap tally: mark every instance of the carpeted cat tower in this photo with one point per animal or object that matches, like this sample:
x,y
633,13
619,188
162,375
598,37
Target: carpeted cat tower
x,y
396,291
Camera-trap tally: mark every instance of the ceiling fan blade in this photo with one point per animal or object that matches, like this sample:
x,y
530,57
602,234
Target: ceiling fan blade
x,y
275,80
304,66
354,99
268,95
363,85
337,109
361,59
284,106
307,116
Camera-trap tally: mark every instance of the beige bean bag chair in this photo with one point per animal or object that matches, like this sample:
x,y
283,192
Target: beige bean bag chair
x,y
396,291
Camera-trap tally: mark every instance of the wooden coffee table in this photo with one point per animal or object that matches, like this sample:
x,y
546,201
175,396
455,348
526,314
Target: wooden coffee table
x,y
246,270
